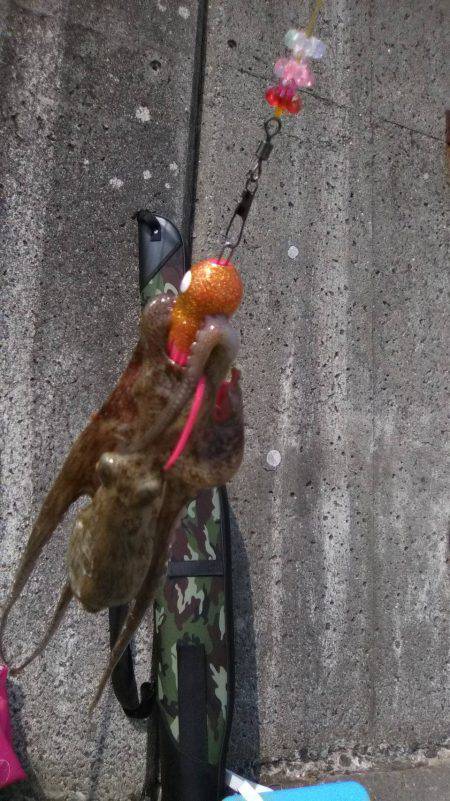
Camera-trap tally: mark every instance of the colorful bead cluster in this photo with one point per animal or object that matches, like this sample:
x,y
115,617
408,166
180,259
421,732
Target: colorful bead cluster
x,y
294,72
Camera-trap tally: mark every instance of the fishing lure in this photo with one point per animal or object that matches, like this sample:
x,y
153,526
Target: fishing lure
x,y
138,462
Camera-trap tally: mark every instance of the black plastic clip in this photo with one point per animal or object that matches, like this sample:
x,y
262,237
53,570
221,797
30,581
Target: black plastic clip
x,y
151,220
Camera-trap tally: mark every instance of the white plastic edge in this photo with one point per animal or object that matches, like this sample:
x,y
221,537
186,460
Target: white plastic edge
x,y
248,790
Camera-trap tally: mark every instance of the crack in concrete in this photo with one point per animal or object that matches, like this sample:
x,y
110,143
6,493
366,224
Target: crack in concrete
x,y
352,109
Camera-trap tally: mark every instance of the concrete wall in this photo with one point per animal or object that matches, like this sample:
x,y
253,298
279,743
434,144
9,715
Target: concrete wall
x,y
340,553
94,95
345,373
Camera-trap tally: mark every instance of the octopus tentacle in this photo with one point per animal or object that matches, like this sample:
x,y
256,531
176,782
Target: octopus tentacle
x,y
155,321
75,479
216,335
77,475
173,505
64,601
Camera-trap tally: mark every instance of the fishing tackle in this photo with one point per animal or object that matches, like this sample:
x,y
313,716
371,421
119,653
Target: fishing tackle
x,y
144,455
172,426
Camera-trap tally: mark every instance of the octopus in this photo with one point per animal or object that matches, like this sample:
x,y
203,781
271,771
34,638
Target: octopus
x,y
172,426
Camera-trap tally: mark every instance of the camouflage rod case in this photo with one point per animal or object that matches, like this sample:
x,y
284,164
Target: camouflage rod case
x,y
193,643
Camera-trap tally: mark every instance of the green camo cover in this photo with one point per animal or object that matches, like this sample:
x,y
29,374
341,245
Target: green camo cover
x,y
191,609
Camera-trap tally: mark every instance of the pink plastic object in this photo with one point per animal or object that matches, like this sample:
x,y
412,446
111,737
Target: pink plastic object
x,y
189,424
289,69
11,770
177,356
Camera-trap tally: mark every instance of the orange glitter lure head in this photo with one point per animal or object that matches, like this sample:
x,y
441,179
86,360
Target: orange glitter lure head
x,y
210,287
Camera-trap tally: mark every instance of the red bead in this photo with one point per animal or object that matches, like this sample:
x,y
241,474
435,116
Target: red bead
x,y
271,96
284,97
294,105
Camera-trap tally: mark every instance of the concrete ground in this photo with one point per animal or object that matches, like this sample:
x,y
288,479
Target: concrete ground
x,y
416,784
341,592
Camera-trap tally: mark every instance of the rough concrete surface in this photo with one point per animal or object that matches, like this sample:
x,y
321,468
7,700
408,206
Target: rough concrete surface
x,y
342,547
340,552
409,785
96,115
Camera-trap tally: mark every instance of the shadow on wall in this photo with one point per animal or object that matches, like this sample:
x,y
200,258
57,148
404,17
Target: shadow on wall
x,y
103,732
244,750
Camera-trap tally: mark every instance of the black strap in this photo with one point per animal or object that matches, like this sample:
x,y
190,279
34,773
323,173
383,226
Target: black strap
x,y
123,678
183,776
193,737
196,568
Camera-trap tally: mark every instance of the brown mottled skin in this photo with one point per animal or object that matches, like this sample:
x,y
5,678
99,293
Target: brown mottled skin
x,y
119,545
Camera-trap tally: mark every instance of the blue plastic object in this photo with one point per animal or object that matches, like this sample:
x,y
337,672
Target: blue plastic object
x,y
338,791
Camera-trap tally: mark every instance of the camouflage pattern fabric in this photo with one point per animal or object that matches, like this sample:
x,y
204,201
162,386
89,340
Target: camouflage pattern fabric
x,y
166,280
192,609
